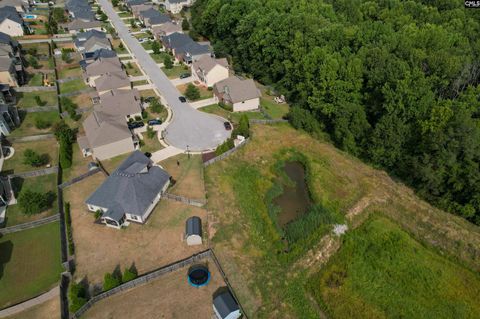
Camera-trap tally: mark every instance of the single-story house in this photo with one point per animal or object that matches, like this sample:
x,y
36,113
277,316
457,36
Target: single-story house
x,y
175,6
19,5
165,29
111,81
11,22
106,136
241,94
209,70
120,102
193,231
225,306
131,192
100,67
80,9
152,17
77,25
184,48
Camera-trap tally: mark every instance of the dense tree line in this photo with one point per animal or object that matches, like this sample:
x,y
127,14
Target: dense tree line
x,y
394,82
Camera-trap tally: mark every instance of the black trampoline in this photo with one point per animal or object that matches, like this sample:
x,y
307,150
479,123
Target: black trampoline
x,y
198,276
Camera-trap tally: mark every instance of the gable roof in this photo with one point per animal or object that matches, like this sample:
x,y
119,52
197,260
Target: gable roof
x,y
78,24
103,65
154,16
132,187
80,9
102,129
84,36
182,43
237,90
90,44
207,63
13,3
120,102
10,13
110,81
7,39
225,304
5,63
168,27
135,2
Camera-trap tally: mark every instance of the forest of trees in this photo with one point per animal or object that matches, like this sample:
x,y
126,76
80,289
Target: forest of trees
x,y
393,82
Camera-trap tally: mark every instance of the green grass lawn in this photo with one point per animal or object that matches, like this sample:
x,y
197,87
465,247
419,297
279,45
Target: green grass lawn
x,y
70,72
35,79
72,86
15,163
232,116
204,92
276,111
151,144
147,45
41,184
161,116
42,48
141,35
125,15
30,263
132,69
175,72
158,58
138,83
382,272
28,123
27,99
116,44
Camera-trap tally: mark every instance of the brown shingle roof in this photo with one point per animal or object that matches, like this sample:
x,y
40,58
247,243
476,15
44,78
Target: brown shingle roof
x,y
238,90
104,65
110,81
102,129
120,102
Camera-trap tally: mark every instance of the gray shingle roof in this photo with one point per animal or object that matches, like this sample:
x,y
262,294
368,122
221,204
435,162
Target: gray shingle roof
x,y
132,187
78,24
102,129
182,43
154,16
238,90
120,102
225,304
5,63
10,13
193,226
81,9
110,81
104,65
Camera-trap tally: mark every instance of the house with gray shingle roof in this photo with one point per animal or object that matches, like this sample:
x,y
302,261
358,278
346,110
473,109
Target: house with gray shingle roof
x,y
130,193
120,102
184,48
111,81
100,67
90,41
152,17
80,9
76,25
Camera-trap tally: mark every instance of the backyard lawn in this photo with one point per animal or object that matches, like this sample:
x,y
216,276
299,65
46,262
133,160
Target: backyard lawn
x,y
79,164
204,92
70,72
40,184
30,262
274,110
15,163
41,48
133,69
35,79
72,86
188,175
232,116
175,72
29,121
27,99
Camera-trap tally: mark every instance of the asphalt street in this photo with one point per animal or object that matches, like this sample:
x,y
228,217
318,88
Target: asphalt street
x,y
189,129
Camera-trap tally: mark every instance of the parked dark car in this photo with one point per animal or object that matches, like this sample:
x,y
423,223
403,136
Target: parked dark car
x,y
154,122
135,125
227,125
182,99
185,75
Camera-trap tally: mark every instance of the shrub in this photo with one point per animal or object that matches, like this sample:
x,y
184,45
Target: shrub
x,y
33,62
42,123
77,296
144,114
35,202
34,159
132,23
192,93
194,35
222,148
185,25
98,213
111,281
39,101
150,132
156,47
65,56
120,46
129,274
138,118
167,62
70,107
65,136
156,107
68,225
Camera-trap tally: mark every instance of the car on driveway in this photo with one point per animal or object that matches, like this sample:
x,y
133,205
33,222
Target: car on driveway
x,y
185,75
182,99
227,125
134,125
154,122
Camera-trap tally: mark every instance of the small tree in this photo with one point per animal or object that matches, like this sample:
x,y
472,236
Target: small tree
x,y
115,3
33,62
150,132
156,47
77,296
167,62
132,23
192,93
65,56
39,101
103,17
32,158
111,281
35,202
243,126
156,106
65,136
42,123
185,25
129,274
120,46
129,65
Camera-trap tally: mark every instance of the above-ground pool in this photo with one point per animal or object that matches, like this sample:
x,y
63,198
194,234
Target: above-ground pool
x,y
198,276
30,16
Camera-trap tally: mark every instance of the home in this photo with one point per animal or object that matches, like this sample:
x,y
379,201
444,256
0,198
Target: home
x,y
80,9
193,231
9,118
152,17
100,67
131,3
126,103
11,22
209,70
184,48
78,25
8,72
130,193
111,81
106,136
136,9
94,56
224,305
7,197
175,6
167,28
19,5
241,94
10,48
91,41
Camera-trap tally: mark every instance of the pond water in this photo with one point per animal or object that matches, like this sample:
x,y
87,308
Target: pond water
x,y
295,200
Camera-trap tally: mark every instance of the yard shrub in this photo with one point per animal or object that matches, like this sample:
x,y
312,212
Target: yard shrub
x,y
32,158
129,274
65,136
35,202
120,46
132,23
167,62
77,296
39,101
185,25
98,213
156,106
138,118
150,132
68,225
33,62
70,107
42,123
144,114
192,93
156,47
243,127
111,281
225,146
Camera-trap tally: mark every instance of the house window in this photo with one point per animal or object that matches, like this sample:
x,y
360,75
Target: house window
x,y
133,217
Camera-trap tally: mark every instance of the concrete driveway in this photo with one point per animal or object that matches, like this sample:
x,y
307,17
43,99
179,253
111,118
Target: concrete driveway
x,y
189,128
179,81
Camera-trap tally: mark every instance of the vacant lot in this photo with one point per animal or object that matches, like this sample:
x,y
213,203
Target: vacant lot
x,y
31,121
29,262
27,99
380,271
174,298
41,184
49,309
99,249
188,175
16,164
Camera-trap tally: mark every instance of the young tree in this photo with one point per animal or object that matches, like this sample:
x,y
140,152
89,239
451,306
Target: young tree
x,y
110,281
77,296
167,62
156,47
39,101
32,158
156,106
33,62
115,3
65,56
150,132
192,93
120,46
185,25
32,202
42,123
129,274
65,136
132,23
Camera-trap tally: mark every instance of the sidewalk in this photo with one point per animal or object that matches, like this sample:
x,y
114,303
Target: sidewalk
x,y
202,103
165,153
30,303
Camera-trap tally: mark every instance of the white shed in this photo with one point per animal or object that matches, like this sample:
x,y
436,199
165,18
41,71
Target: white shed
x,y
193,231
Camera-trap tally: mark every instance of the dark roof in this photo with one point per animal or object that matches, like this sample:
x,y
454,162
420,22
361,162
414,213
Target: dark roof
x,y
135,2
225,304
101,53
10,13
132,187
182,43
81,9
193,226
5,38
154,16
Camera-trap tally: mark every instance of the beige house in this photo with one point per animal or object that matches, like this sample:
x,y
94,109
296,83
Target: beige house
x,y
175,6
209,70
111,81
106,136
100,67
11,22
241,94
168,28
126,103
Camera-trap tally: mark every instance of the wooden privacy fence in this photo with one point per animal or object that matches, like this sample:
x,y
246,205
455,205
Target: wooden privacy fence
x,y
142,280
185,200
226,154
40,172
35,223
79,178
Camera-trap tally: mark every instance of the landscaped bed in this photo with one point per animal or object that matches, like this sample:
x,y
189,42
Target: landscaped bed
x,y
16,164
29,123
31,263
27,99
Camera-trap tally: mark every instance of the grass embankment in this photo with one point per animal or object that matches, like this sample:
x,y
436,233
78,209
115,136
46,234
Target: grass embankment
x,y
30,263
273,283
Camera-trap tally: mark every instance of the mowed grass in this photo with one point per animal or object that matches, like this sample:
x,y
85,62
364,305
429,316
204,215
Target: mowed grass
x,y
231,116
70,72
28,125
16,164
72,86
151,144
27,99
274,110
35,79
381,272
204,92
30,263
175,71
133,69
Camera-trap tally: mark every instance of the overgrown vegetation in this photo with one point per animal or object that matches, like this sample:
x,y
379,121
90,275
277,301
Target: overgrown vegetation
x,y
77,296
68,227
33,202
393,82
65,137
32,158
